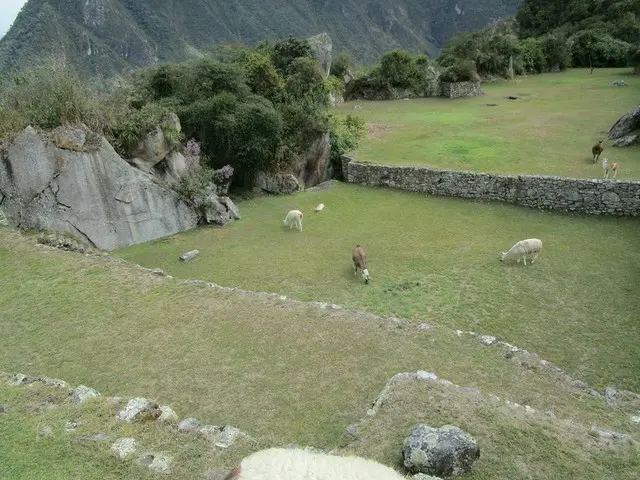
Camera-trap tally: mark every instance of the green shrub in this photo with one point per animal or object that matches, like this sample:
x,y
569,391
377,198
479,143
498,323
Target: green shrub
x,y
556,52
591,48
532,56
126,131
634,59
461,71
195,185
242,132
341,65
262,76
46,97
346,134
286,51
305,80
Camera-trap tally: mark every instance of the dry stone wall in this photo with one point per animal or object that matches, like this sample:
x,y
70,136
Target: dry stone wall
x,y
594,197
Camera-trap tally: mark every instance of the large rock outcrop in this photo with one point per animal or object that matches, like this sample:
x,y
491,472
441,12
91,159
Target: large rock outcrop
x,y
89,192
321,46
626,131
158,155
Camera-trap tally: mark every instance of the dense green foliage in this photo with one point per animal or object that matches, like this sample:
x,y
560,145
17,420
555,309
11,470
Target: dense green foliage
x,y
346,133
45,97
253,109
549,35
397,70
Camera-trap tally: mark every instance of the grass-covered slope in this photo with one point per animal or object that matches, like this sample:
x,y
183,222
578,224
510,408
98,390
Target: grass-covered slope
x,y
549,130
436,260
282,372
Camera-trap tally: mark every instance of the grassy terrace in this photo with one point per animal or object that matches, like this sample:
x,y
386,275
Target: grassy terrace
x,y
550,130
436,260
282,372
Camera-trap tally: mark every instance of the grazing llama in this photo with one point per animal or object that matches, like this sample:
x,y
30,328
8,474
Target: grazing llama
x,y
530,246
320,207
597,150
294,219
359,257
298,464
608,166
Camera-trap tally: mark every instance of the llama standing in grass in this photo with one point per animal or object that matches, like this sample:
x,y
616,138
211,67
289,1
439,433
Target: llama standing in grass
x,y
294,219
597,150
297,464
530,246
608,166
359,257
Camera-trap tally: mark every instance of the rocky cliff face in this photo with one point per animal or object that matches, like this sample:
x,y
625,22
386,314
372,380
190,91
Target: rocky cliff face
x,y
108,36
86,190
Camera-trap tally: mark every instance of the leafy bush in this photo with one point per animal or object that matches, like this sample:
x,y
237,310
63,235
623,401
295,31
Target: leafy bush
x,y
46,97
490,49
346,134
305,80
461,71
286,51
532,56
125,131
634,60
556,52
195,185
262,76
341,65
591,48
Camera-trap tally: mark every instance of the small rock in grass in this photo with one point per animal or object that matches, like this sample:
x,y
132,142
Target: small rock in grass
x,y
167,415
189,255
45,431
422,375
635,419
3,409
71,426
139,409
610,434
123,447
228,436
82,393
210,432
351,430
188,425
157,462
487,340
609,397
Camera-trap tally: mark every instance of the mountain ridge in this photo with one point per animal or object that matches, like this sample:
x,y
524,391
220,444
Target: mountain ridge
x,y
111,36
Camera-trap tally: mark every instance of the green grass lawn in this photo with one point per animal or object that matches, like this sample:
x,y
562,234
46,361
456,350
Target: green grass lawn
x,y
284,373
436,260
550,130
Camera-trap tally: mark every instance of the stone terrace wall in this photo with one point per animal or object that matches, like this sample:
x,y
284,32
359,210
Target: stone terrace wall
x,y
460,89
594,197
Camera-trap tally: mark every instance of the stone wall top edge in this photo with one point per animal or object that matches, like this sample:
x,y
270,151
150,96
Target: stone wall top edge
x,y
554,178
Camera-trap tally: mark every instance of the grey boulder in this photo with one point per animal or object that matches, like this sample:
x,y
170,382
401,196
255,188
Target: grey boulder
x,y
445,452
95,196
626,125
82,393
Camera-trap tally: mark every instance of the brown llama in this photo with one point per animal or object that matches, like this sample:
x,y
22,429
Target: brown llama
x,y
597,150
